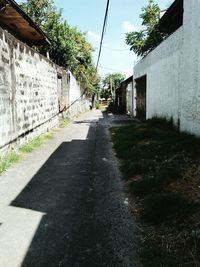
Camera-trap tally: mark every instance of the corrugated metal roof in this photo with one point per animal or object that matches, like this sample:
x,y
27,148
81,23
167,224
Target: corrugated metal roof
x,y
18,23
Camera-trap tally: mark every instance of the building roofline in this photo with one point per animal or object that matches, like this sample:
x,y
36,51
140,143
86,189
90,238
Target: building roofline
x,y
26,17
173,18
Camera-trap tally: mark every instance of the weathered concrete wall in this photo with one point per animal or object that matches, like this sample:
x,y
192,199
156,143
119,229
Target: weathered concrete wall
x,y
173,74
124,97
190,87
129,100
78,102
33,91
28,90
163,69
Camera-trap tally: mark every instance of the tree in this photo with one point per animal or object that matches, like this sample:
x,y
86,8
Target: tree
x,y
68,47
144,41
39,10
110,83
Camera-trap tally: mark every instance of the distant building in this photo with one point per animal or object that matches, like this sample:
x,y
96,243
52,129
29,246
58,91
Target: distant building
x,y
123,96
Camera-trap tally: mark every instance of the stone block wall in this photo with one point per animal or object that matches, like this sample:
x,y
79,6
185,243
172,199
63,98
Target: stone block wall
x,y
78,103
33,92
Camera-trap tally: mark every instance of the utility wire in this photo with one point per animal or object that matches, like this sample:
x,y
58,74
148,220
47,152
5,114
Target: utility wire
x,y
115,49
101,67
103,32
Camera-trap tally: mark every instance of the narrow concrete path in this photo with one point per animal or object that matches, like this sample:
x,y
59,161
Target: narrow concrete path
x,y
63,205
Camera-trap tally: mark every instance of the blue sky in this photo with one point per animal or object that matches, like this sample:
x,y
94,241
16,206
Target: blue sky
x,y
123,16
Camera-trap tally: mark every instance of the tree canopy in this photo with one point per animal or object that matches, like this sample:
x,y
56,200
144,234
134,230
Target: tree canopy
x,y
110,82
144,41
68,47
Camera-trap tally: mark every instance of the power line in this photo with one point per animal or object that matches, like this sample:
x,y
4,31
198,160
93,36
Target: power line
x,y
103,32
101,67
115,49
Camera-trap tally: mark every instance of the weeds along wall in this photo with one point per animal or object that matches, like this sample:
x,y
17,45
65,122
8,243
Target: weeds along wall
x,y
33,93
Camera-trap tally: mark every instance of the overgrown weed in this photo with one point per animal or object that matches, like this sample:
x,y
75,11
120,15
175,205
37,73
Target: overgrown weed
x,y
14,156
154,157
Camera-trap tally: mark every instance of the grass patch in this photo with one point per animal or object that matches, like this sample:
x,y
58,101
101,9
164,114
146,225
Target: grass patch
x,y
165,208
9,160
154,255
97,104
64,122
147,185
150,184
137,167
13,157
28,148
155,159
162,123
36,142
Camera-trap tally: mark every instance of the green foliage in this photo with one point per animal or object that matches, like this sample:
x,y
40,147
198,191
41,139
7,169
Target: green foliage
x,y
38,10
13,157
150,15
27,148
150,184
64,123
110,83
147,185
68,47
162,207
8,160
154,255
162,123
153,156
159,165
105,93
97,105
36,142
142,42
113,80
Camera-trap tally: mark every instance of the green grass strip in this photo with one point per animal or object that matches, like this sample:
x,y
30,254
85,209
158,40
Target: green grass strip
x,y
14,156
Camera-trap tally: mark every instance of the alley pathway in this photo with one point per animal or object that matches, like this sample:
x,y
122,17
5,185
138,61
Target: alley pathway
x,y
63,205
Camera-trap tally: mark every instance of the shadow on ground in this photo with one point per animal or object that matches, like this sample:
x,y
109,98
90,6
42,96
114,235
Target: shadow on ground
x,y
85,222
59,189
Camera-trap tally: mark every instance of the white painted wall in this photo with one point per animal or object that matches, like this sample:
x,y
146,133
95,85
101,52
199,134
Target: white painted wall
x,y
190,88
173,73
129,102
75,90
78,102
162,67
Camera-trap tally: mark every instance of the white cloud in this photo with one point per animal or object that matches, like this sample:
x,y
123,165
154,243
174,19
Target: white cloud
x,y
128,27
94,36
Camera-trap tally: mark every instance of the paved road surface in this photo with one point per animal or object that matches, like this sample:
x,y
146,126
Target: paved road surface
x,y
63,205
